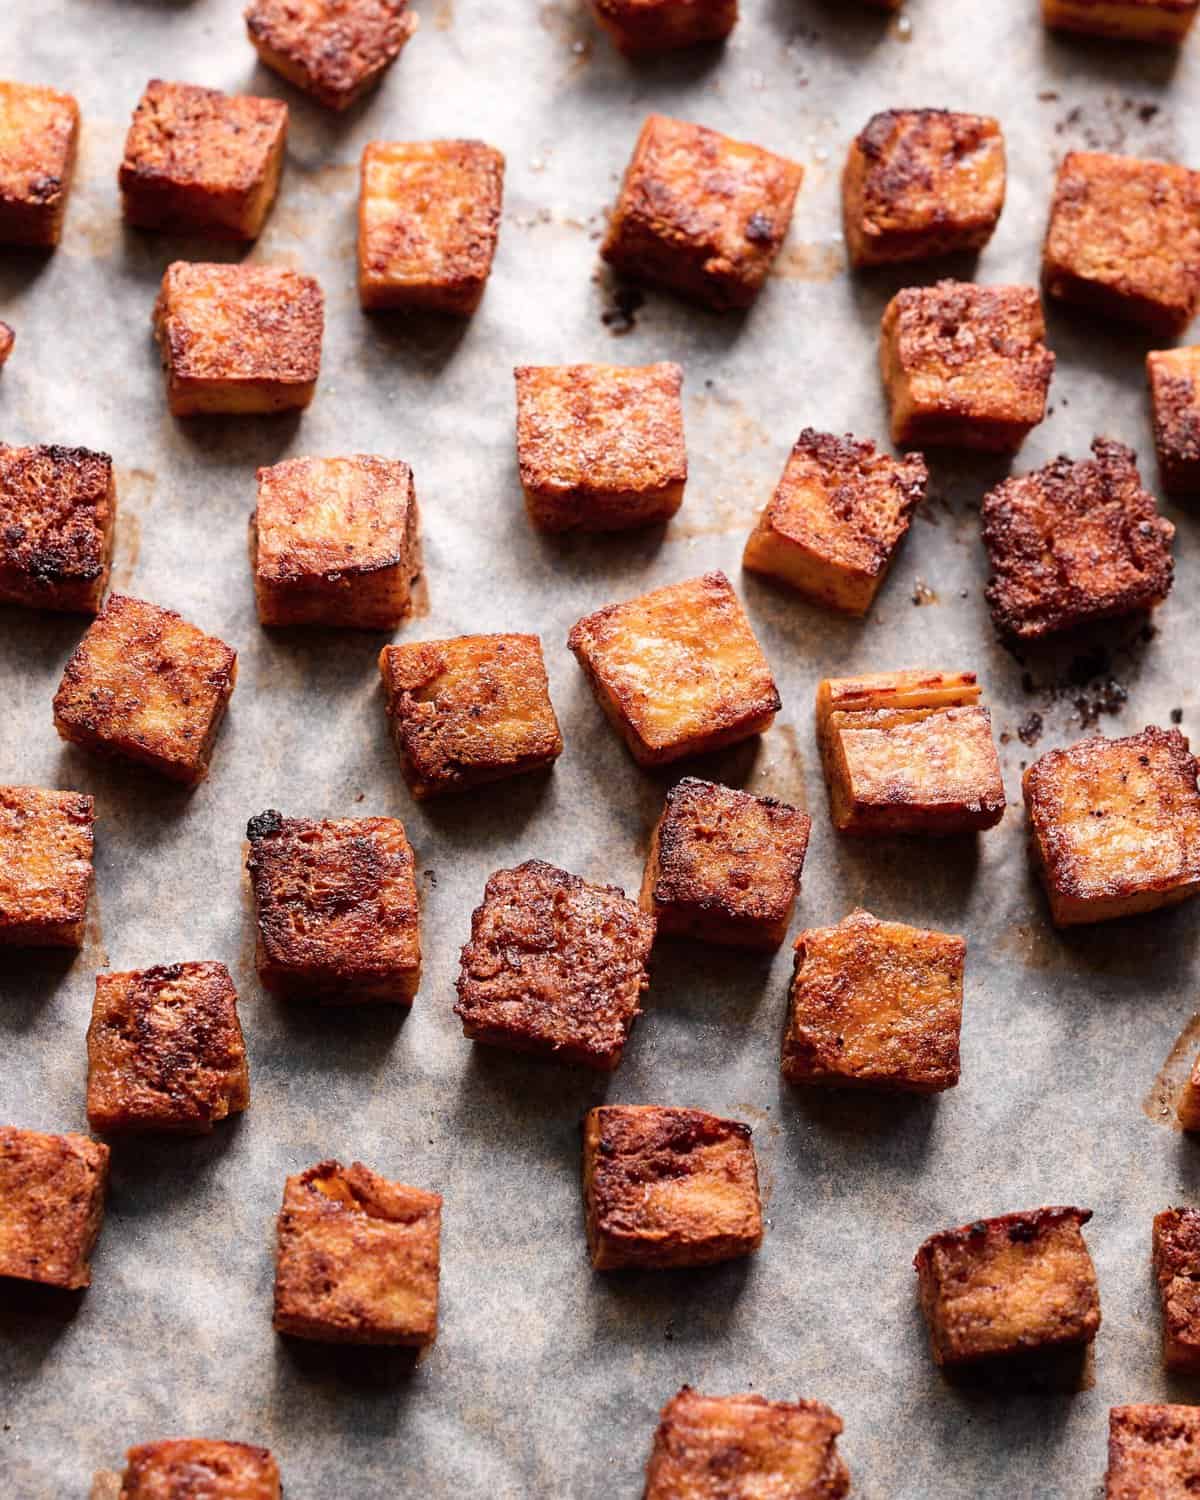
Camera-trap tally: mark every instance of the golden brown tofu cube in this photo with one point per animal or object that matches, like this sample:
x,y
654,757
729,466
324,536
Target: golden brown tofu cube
x,y
357,1259
1115,825
199,1469
46,872
334,50
700,214
335,542
964,366
555,966
1020,1284
600,447
1177,1270
836,518
428,222
469,710
648,28
1187,1105
57,512
745,1448
678,671
876,1004
238,339
336,908
1174,377
39,136
7,339
1153,1453
51,1205
1162,21
145,685
1124,240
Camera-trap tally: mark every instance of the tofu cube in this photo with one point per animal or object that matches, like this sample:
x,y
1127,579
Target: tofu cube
x,y
724,866
648,28
1187,1105
46,872
357,1259
177,1468
1153,1453
908,752
875,1004
335,542
335,50
336,908
678,671
1163,21
964,366
238,340
668,1187
7,339
555,966
700,214
51,1205
1115,825
600,447
1177,1270
469,710
1021,1284
39,137
1174,377
428,222
836,518
145,685
58,510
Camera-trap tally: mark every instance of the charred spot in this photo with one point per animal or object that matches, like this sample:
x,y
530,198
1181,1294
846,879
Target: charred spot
x,y
264,825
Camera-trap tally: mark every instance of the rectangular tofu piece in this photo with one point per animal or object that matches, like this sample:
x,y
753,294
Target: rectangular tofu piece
x,y
1153,1453
1177,1271
206,1468
39,138
1174,378
58,511
335,50
51,1205
46,871
650,28
1166,22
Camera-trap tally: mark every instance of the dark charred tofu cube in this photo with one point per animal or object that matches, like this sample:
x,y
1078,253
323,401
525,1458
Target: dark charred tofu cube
x,y
1022,1284
1177,1269
964,366
179,1468
7,339
1115,825
648,28
555,966
1187,1106
600,447
145,685
46,869
51,1205
39,136
238,340
1163,21
334,50
1174,376
1153,1453
57,512
678,671
469,710
836,519
699,214
357,1259
336,907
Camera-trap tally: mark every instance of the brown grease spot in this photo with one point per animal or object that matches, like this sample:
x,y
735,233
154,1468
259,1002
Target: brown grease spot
x,y
781,774
1159,1103
822,260
443,15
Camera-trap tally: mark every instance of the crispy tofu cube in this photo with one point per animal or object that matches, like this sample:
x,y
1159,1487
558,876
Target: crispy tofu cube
x,y
39,136
357,1259
145,685
335,50
336,908
700,214
600,447
46,872
57,513
1177,1270
836,518
678,671
555,966
1174,377
469,710
648,28
1115,825
51,1205
1163,21
1187,1106
178,1468
1153,1453
7,339
964,366
238,339
1020,1284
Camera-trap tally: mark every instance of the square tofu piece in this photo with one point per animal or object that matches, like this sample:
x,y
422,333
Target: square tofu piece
x,y
1174,376
334,50
1163,21
1177,1270
335,542
964,366
238,340
1018,1285
700,214
600,447
39,135
836,518
1153,1453
920,183
51,1205
678,671
145,685
180,1468
469,710
57,512
1115,825
555,966
908,752
648,28
336,908
357,1258
46,869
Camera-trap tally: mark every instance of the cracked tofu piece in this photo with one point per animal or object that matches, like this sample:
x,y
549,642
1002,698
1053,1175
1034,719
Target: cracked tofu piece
x,y
1174,378
57,516
700,214
648,28
51,1205
678,671
555,966
335,50
1177,1270
198,1469
1166,22
46,873
39,137
1153,1453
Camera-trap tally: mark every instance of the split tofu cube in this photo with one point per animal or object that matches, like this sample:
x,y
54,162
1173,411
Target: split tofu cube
x,y
1163,21
58,511
335,50
1177,1270
39,137
1153,1452
51,1205
648,28
46,873
1174,376
7,339
1187,1105
177,1468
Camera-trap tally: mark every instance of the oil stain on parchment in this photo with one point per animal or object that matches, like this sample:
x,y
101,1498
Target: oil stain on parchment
x,y
134,489
823,260
1159,1103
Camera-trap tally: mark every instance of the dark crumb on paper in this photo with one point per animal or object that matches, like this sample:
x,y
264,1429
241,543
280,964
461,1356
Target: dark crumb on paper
x,y
1048,96
360,796
621,317
1177,716
1029,731
431,877
1005,737
264,824
1118,123
922,593
1110,699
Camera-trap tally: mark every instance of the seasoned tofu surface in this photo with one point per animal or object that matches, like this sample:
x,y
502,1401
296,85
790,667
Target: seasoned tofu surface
x,y
1174,377
46,872
57,520
1166,22
199,1469
334,50
1153,1453
1177,1271
51,1205
39,137
646,28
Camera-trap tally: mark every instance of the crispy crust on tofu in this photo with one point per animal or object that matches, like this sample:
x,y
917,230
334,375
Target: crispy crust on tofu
x,y
1177,1270
46,872
1153,1452
1161,21
334,50
39,137
178,1468
1174,378
57,519
51,1205
648,28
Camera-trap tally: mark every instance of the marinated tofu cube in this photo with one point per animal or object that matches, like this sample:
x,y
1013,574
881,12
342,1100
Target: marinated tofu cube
x,y
1174,376
1187,1105
180,1468
57,512
648,28
1153,1453
1177,1269
46,869
678,671
39,136
7,339
700,214
335,50
51,1205
1162,21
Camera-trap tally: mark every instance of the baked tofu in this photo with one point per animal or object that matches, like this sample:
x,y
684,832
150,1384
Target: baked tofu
x,y
39,137
1153,1453
1177,1271
1115,825
238,340
46,873
1187,1105
146,686
469,710
357,1258
668,1187
51,1205
7,339
836,518
678,671
1174,377
208,1469
335,50
57,515
600,447
555,966
648,28
700,214
1162,21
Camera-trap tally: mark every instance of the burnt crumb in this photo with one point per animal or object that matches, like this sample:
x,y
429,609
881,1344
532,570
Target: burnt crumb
x,y
621,317
431,877
1029,731
1119,124
1177,716
1005,738
1048,96
1146,112
1110,699
263,825
922,593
